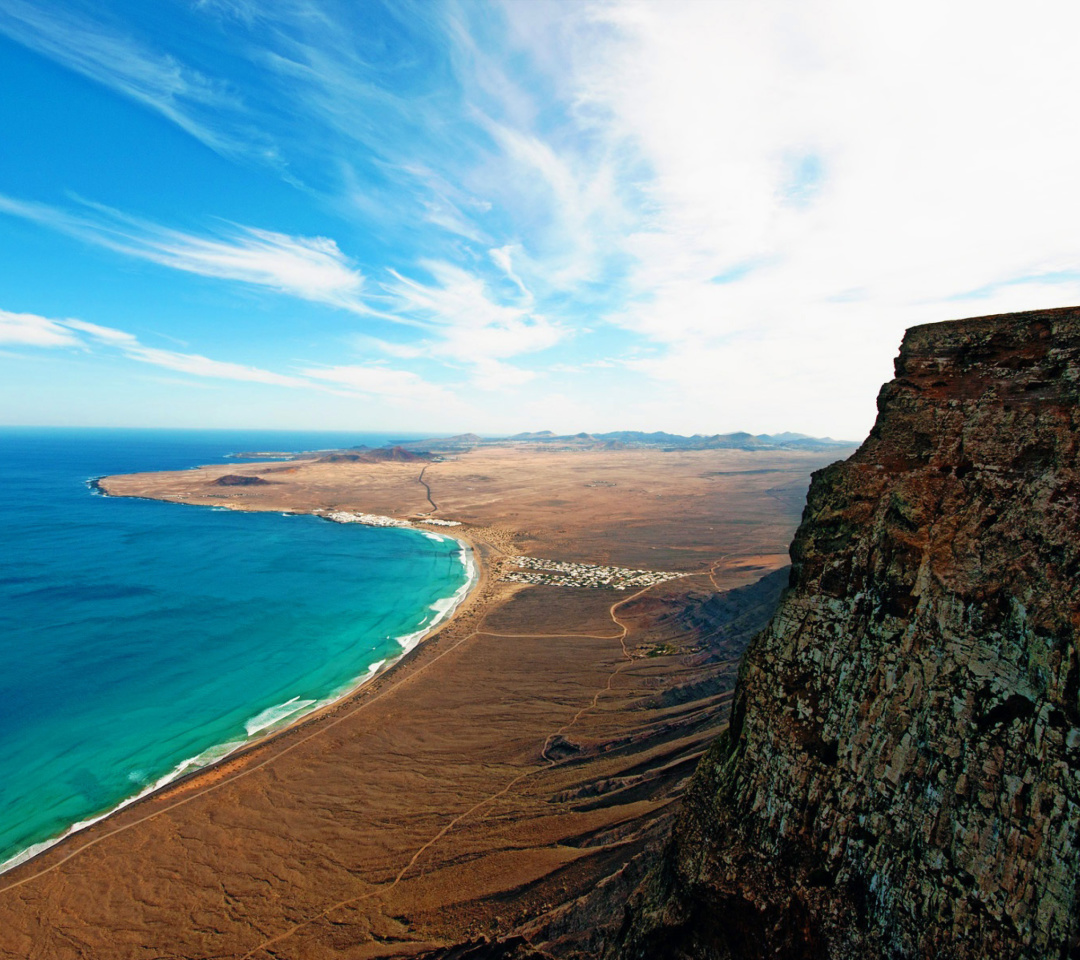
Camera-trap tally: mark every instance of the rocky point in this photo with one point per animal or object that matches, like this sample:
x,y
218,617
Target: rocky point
x,y
901,775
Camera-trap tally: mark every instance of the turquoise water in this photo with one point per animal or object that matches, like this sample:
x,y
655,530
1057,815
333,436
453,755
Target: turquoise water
x,y
140,640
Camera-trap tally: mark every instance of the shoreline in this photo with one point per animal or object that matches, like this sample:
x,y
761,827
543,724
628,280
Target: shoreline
x,y
532,749
188,770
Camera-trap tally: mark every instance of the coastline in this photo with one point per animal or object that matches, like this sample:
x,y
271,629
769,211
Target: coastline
x,y
189,770
531,748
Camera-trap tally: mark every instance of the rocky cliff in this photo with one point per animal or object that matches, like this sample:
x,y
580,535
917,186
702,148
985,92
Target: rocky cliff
x,y
901,777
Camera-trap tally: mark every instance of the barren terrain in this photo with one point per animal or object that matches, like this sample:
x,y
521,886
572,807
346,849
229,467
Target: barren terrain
x,y
521,756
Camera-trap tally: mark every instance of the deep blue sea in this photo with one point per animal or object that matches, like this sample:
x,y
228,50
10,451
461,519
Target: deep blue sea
x,y
140,640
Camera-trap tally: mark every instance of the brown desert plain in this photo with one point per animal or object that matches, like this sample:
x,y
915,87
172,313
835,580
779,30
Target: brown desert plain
x,y
506,777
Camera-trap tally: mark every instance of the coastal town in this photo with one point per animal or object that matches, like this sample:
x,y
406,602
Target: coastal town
x,y
532,570
375,520
367,519
561,573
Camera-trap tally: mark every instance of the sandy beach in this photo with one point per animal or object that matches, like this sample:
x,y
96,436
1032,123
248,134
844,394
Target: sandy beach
x,y
278,718
528,749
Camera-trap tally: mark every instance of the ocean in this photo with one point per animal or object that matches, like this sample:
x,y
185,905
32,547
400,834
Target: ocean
x,y
140,640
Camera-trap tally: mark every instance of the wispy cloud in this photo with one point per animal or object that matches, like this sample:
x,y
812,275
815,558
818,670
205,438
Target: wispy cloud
x,y
442,203
744,202
370,381
800,155
312,268
472,326
246,11
374,380
206,108
421,123
191,363
27,329
503,257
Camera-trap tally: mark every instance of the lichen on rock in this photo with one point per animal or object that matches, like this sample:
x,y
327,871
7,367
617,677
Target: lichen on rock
x,y
901,775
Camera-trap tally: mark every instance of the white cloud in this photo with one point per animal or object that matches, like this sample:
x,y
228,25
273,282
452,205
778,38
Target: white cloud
x,y
196,103
245,11
398,386
460,147
564,198
472,326
27,329
200,366
495,376
814,179
312,268
751,199
444,204
372,381
191,363
503,258
109,335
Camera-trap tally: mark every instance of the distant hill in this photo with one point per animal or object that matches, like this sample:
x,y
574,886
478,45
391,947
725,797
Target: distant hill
x,y
623,439
238,480
541,435
395,454
458,444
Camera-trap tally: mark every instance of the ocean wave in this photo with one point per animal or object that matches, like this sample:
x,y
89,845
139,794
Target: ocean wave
x,y
468,562
274,715
445,606
410,640
352,685
190,765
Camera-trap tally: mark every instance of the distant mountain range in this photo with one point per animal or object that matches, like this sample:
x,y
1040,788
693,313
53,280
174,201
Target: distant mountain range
x,y
621,439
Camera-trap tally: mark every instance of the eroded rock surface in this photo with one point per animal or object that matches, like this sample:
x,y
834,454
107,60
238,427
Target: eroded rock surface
x,y
902,773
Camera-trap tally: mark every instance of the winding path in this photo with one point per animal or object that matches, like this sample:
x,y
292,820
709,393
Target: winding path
x,y
434,505
321,729
479,805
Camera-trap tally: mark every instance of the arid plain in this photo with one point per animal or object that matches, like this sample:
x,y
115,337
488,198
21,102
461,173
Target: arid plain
x,y
522,756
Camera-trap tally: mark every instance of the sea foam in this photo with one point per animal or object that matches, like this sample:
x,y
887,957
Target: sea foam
x,y
274,716
205,759
260,592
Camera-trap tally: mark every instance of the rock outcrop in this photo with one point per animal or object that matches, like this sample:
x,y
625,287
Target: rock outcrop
x,y
901,776
379,455
239,480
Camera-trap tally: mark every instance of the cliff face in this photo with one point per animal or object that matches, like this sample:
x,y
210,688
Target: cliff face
x,y
901,777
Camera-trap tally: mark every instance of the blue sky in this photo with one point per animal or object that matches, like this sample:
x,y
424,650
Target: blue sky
x,y
450,216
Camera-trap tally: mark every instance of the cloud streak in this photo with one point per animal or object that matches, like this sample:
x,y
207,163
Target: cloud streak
x,y
471,325
374,380
203,107
311,268
30,330
190,363
371,381
732,209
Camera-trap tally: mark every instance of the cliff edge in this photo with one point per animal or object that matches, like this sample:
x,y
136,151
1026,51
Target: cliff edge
x,y
901,777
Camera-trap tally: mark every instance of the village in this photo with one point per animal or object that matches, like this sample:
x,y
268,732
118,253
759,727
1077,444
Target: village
x,y
375,520
367,519
560,573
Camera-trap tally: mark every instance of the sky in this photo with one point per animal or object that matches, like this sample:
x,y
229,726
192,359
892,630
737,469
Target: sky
x,y
443,216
